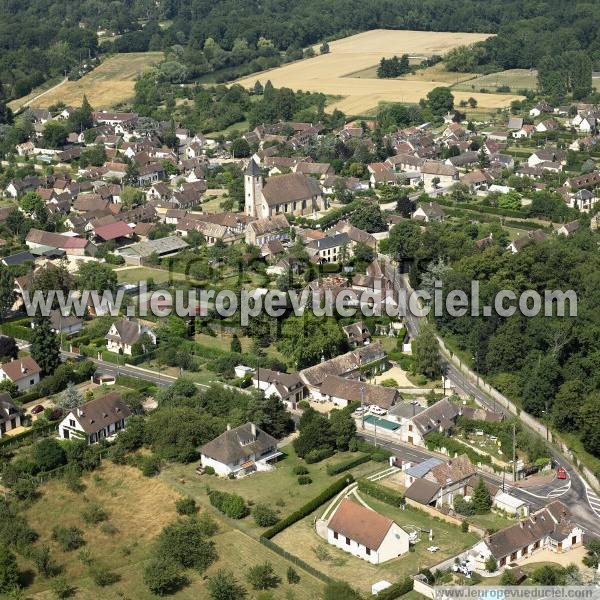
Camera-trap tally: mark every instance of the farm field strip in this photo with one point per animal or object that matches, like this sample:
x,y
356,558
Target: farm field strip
x,y
329,73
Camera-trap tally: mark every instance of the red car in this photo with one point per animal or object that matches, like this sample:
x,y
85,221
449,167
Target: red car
x,y
37,409
561,473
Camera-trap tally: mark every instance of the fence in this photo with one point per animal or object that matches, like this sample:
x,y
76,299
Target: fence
x,y
9,441
294,559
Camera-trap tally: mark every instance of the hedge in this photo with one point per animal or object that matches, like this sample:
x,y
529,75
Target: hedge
x,y
17,331
347,464
133,382
437,441
33,432
231,505
381,493
312,505
396,590
297,561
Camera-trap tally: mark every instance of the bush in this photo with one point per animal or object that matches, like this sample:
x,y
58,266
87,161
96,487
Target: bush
x,y
335,469
68,538
396,590
292,575
209,470
304,480
163,576
186,544
379,492
318,454
232,505
62,588
150,465
103,576
93,514
300,470
328,493
264,515
186,506
44,563
263,577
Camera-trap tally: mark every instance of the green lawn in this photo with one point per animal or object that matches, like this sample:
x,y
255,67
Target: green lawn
x,y
300,539
491,520
278,488
138,274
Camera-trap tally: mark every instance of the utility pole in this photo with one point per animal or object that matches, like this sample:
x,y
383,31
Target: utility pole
x,y
514,454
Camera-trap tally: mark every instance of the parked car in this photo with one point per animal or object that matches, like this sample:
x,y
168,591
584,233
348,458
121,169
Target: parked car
x,y
36,410
561,473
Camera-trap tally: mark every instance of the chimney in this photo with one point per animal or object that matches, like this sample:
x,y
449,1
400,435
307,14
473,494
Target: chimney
x,y
253,429
23,369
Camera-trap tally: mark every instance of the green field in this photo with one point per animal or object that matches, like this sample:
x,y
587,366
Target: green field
x,y
278,488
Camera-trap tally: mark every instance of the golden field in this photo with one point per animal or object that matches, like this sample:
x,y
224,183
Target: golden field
x,y
108,84
332,73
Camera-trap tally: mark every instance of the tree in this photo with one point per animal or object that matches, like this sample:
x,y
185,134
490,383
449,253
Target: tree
x,y
7,293
271,415
186,544
263,577
49,454
45,346
224,586
240,148
440,101
491,564
8,347
131,197
163,576
71,398
55,134
132,174
9,571
481,499
315,433
343,428
369,218
426,353
236,345
405,240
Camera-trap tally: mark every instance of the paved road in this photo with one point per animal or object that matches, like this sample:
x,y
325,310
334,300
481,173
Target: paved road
x,y
580,498
567,491
108,368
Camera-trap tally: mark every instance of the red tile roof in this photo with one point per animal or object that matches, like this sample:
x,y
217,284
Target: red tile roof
x,y
112,231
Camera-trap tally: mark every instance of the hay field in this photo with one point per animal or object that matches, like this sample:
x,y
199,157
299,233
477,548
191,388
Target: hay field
x,y
332,73
108,84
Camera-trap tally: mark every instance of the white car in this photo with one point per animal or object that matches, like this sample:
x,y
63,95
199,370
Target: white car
x,y
463,568
376,410
433,549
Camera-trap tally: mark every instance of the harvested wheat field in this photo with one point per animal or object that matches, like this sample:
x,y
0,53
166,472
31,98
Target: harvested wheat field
x,y
332,73
108,84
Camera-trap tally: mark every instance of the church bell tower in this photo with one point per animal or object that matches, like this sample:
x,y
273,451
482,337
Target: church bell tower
x,y
252,189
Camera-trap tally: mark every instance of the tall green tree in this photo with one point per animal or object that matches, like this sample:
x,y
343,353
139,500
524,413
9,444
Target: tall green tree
x,y
481,499
7,291
45,346
426,354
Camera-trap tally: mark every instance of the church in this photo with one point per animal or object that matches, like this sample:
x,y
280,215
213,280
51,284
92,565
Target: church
x,y
294,194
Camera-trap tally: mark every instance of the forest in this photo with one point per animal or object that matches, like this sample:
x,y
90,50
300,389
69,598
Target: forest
x,y
44,39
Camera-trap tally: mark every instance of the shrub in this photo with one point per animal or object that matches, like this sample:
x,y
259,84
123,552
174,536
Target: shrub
x,y
44,563
150,465
335,469
292,575
209,470
300,470
207,525
62,588
103,576
263,577
186,544
231,505
108,528
264,515
381,493
396,590
68,538
318,454
163,576
186,506
304,480
93,514
328,493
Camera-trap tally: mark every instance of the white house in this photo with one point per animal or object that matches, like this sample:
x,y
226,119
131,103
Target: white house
x,y
288,387
547,529
365,533
96,420
10,414
241,451
23,372
123,334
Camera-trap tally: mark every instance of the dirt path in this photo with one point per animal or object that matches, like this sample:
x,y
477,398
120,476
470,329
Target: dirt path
x,y
54,87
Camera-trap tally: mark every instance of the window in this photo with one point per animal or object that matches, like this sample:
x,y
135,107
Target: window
x,y
72,422
347,541
335,535
410,427
368,551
